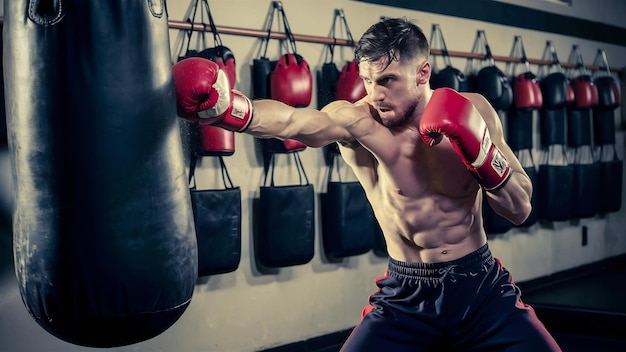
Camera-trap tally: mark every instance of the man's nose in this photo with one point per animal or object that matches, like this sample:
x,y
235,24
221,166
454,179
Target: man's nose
x,y
377,92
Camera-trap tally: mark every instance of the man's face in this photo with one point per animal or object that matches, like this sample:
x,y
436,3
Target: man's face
x,y
392,89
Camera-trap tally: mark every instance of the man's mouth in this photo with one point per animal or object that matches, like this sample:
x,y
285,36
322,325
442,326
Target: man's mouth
x,y
383,108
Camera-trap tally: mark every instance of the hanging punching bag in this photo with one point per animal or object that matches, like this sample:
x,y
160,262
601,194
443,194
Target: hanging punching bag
x,y
104,241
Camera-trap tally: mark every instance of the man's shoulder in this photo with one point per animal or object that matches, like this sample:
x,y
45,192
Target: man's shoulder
x,y
346,106
476,98
348,114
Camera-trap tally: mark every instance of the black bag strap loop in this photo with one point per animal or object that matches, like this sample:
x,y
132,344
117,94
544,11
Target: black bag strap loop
x,y
549,54
192,170
217,40
334,159
549,153
192,20
528,153
302,176
183,41
576,59
480,46
344,28
183,34
228,183
602,62
488,54
437,40
518,51
276,9
612,146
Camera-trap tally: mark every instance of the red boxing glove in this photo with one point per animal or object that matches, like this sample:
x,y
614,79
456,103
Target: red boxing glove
x,y
291,81
203,95
349,85
451,114
585,92
526,91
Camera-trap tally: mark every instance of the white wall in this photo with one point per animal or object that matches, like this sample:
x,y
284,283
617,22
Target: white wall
x,y
247,311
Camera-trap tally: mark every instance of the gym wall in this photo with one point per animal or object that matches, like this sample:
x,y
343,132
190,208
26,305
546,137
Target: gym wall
x,y
250,310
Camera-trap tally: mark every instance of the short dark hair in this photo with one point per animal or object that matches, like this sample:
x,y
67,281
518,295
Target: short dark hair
x,y
390,38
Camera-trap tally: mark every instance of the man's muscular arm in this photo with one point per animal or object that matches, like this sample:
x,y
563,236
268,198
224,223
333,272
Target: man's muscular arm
x,y
511,201
203,95
273,119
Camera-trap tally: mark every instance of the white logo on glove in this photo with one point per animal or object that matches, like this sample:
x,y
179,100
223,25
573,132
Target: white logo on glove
x,y
499,163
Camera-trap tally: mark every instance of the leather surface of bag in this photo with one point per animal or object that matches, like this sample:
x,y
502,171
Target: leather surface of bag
x,y
326,84
520,129
450,77
217,214
579,131
217,219
611,181
585,190
347,217
285,220
555,197
286,232
552,124
495,86
105,248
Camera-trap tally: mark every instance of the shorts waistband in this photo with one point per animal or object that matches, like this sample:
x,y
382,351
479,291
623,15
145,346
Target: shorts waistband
x,y
471,262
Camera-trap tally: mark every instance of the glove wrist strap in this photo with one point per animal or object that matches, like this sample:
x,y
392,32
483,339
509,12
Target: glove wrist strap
x,y
239,115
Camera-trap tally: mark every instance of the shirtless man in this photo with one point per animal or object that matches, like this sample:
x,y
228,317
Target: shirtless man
x,y
443,290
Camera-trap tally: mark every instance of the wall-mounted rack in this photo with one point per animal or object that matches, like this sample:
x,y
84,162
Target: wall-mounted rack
x,y
326,40
173,24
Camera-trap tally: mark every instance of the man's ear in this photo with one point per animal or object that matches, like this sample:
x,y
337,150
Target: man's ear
x,y
423,73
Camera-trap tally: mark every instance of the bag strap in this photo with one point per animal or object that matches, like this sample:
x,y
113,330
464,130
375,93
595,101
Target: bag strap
x,y
192,170
217,40
276,9
602,62
228,183
549,54
576,59
334,159
554,152
344,28
604,154
184,36
302,176
480,46
436,40
517,51
179,43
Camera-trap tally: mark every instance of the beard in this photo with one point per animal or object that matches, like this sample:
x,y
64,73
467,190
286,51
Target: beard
x,y
399,117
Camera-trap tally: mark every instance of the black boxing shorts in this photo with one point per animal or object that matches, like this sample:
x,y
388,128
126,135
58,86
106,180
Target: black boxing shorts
x,y
468,304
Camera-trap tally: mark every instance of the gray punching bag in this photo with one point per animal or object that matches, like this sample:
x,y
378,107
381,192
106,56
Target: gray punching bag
x,y
104,239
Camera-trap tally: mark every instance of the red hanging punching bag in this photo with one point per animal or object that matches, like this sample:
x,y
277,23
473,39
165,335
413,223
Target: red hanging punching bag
x,y
104,241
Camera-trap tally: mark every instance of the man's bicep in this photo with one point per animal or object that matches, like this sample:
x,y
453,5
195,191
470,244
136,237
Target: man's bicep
x,y
317,128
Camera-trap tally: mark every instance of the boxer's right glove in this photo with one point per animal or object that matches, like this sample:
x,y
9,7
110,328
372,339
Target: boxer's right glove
x,y
203,95
450,114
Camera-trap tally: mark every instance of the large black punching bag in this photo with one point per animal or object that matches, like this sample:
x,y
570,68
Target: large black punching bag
x,y
104,241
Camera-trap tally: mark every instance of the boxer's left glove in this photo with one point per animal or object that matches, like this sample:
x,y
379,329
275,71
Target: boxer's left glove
x,y
203,95
450,114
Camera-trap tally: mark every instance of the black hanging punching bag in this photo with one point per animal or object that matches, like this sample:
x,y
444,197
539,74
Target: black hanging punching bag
x,y
104,241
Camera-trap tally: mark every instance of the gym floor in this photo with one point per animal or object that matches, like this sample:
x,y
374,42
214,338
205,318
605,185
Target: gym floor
x,y
584,308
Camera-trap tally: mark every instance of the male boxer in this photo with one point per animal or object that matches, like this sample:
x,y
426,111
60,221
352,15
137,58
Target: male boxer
x,y
443,290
